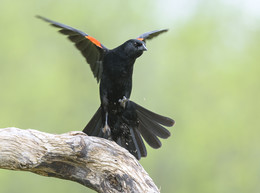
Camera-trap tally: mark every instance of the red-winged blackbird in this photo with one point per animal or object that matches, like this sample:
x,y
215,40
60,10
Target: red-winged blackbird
x,y
118,118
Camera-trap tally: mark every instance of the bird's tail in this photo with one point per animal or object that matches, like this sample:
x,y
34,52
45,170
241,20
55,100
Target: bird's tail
x,y
137,123
133,143
129,139
151,126
94,126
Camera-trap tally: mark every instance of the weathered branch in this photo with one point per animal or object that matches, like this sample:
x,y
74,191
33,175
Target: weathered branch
x,y
96,163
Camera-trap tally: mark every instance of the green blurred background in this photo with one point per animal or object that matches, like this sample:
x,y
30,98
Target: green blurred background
x,y
204,73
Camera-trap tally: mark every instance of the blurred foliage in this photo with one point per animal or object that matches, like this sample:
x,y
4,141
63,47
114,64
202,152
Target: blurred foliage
x,y
204,73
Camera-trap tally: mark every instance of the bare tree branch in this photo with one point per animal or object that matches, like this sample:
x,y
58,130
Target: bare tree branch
x,y
96,163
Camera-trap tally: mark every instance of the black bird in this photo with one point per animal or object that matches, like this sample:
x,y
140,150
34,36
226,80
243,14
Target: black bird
x,y
118,118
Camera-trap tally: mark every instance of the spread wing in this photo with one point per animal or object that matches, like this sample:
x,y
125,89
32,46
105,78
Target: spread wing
x,y
151,34
90,48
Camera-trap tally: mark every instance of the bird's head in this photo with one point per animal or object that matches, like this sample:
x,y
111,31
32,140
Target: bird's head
x,y
134,48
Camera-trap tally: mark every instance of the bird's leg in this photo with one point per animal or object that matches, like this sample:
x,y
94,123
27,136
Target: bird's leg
x,y
104,101
106,128
123,101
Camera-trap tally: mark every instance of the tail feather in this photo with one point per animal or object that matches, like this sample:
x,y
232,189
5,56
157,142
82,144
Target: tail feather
x,y
135,124
131,144
166,121
94,126
140,143
149,137
153,126
99,132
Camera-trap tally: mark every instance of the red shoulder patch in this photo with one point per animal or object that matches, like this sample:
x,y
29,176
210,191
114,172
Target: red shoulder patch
x,y
94,41
141,39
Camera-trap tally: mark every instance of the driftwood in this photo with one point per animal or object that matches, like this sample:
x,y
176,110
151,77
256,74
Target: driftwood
x,y
96,163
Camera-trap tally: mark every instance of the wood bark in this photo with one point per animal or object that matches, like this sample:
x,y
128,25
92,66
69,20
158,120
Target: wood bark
x,y
94,162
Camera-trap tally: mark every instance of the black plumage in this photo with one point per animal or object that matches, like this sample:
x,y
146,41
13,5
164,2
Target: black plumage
x,y
118,118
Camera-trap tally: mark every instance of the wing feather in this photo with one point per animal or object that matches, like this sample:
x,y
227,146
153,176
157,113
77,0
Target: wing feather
x,y
151,34
90,48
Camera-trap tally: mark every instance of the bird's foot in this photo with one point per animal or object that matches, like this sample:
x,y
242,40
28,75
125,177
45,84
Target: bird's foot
x,y
107,131
123,101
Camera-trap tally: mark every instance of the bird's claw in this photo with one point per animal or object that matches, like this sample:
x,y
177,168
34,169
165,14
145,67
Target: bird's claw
x,y
123,101
107,131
